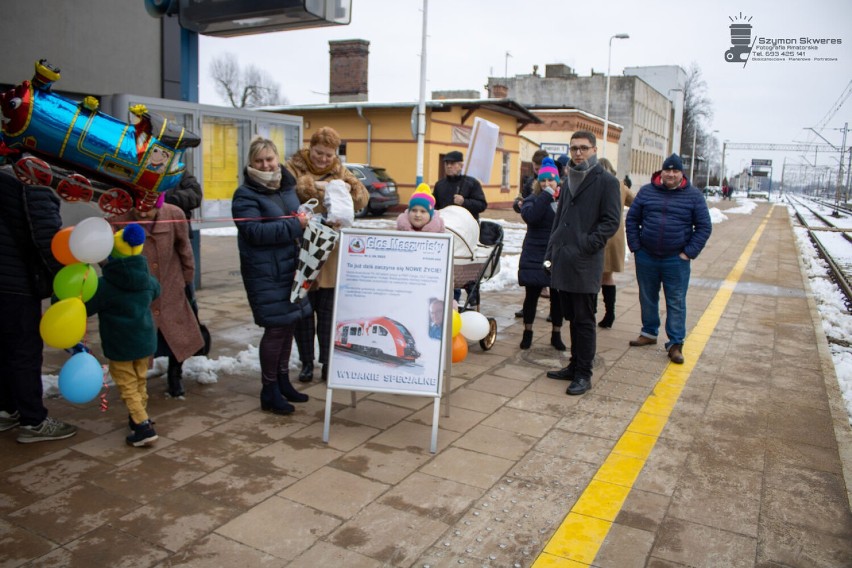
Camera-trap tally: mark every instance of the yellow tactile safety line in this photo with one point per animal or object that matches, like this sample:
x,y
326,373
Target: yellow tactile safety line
x,y
579,538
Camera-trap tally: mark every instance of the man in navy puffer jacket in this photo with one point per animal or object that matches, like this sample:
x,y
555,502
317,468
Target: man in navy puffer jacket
x,y
667,226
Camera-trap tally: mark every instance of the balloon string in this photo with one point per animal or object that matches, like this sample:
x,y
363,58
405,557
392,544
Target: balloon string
x,y
104,403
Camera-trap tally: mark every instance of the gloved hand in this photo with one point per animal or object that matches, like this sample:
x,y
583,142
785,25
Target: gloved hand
x,y
516,204
547,265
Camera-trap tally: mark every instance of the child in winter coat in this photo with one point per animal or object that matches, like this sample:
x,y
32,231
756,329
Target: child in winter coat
x,y
128,336
421,214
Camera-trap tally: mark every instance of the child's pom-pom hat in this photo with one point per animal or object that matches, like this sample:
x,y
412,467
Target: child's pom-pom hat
x,y
128,241
548,170
422,196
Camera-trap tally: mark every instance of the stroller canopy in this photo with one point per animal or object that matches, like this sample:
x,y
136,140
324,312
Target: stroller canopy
x,y
464,227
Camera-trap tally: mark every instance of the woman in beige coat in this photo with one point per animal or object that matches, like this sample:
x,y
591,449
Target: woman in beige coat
x,y
314,167
613,255
170,261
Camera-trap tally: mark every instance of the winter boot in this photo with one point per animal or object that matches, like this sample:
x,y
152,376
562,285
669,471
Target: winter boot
x,y
143,435
174,376
609,305
556,340
526,341
285,387
272,401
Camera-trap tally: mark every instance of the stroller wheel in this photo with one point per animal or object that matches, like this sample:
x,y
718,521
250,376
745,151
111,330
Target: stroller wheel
x,y
489,340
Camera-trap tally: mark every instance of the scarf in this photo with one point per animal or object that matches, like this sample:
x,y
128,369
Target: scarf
x,y
578,172
269,180
306,156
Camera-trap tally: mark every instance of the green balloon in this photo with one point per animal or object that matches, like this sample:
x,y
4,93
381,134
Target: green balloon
x,y
77,280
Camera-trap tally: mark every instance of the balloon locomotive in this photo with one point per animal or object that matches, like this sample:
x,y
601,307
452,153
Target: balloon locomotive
x,y
81,152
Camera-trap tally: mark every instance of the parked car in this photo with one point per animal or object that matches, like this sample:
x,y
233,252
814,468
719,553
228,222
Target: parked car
x,y
382,188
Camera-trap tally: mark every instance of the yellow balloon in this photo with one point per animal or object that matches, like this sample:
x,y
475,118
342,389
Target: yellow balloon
x,y
63,325
456,323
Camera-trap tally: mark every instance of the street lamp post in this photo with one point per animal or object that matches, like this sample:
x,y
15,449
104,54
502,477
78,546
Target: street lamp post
x,y
606,103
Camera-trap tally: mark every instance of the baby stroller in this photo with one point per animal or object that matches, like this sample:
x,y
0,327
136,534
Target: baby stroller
x,y
476,259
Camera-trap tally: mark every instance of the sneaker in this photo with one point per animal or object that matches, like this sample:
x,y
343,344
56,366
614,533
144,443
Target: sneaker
x,y
49,429
9,421
143,435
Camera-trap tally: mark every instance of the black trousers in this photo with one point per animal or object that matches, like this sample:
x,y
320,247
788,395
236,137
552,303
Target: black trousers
x,y
579,311
21,349
533,293
274,353
318,323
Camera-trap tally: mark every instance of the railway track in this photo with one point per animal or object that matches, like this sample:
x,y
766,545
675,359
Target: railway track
x,y
830,229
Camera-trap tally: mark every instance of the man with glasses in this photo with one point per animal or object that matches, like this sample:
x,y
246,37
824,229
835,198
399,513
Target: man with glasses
x,y
588,215
667,226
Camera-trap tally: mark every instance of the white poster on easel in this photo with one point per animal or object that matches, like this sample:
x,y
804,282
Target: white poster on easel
x,y
391,308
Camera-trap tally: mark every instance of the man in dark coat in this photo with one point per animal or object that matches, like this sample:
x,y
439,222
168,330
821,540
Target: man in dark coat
x,y
28,223
588,214
459,189
667,226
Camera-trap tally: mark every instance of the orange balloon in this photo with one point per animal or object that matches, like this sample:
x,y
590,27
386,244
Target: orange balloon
x,y
60,248
459,348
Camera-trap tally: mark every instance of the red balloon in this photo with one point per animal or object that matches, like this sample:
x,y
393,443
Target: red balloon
x,y
60,248
459,348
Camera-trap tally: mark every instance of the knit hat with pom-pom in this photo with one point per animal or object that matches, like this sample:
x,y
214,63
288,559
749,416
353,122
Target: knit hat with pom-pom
x,y
128,241
548,170
423,197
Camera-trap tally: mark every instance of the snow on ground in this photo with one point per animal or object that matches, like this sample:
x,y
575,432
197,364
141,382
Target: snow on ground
x,y
837,322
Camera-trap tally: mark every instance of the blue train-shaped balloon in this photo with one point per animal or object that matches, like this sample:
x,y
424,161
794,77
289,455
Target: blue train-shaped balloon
x,y
83,153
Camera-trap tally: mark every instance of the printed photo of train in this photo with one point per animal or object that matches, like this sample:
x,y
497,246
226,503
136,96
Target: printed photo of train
x,y
380,338
85,154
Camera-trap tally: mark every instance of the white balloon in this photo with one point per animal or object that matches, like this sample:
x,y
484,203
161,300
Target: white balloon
x,y
91,240
474,326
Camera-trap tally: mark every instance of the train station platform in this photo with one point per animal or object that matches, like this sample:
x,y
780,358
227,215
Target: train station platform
x,y
740,457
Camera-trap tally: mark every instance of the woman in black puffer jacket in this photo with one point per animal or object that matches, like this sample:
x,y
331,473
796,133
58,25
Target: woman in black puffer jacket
x,y
538,211
269,238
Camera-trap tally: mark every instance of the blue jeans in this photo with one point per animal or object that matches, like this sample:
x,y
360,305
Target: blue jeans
x,y
673,273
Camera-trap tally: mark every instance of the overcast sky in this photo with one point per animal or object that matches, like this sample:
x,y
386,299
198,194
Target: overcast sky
x,y
765,101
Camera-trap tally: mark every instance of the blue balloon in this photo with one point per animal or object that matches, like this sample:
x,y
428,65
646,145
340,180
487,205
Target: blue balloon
x,y
81,378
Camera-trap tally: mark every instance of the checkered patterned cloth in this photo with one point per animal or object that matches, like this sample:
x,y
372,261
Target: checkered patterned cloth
x,y
318,240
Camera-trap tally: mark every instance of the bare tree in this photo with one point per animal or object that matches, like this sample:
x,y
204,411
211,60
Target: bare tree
x,y
244,87
697,108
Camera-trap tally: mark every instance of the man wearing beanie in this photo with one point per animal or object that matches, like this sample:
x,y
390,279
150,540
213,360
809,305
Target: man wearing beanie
x,y
588,215
667,226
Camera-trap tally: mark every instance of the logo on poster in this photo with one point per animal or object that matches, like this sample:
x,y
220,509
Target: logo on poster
x,y
357,245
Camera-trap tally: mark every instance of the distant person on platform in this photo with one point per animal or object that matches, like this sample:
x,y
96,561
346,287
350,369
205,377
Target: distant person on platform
x,y
459,189
627,181
667,226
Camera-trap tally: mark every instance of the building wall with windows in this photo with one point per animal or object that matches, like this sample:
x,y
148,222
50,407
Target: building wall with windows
x,y
381,134
642,111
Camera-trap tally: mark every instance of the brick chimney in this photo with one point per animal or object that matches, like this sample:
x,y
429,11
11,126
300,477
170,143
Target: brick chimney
x,y
348,70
